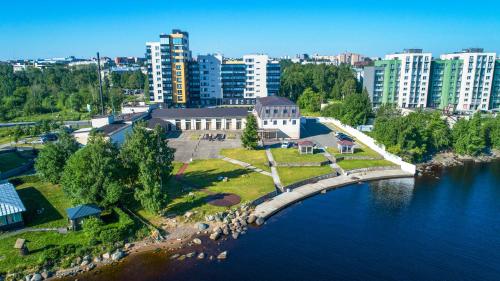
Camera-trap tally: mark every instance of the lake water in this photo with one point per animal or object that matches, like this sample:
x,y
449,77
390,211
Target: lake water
x,y
442,227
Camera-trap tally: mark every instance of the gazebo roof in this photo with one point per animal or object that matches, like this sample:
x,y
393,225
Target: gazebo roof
x,y
83,211
10,203
345,143
305,143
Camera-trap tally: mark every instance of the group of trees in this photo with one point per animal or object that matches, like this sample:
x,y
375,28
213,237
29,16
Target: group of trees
x,y
311,85
59,89
354,110
104,174
331,82
418,135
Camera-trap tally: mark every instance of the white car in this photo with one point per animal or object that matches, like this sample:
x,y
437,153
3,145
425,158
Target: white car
x,y
285,144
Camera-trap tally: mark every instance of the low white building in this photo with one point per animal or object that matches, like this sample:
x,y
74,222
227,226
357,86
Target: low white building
x,y
199,119
277,118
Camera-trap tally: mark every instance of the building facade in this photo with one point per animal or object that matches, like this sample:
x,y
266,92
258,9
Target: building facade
x,y
464,81
277,118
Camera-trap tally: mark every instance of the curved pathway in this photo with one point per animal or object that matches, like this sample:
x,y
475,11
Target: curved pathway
x,y
271,207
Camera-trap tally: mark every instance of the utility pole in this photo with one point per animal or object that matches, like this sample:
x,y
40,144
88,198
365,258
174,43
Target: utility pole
x,y
100,82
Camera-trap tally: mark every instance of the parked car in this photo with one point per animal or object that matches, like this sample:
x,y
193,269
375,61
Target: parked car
x,y
285,144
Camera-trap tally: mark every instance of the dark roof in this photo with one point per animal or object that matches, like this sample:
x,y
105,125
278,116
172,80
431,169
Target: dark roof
x,y
132,116
83,211
113,127
174,113
153,122
274,101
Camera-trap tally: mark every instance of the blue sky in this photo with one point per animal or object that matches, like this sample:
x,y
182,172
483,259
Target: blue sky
x,y
34,29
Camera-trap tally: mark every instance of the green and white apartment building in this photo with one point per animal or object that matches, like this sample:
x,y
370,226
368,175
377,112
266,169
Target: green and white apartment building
x,y
464,81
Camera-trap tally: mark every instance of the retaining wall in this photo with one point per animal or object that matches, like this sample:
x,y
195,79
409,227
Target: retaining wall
x,y
371,143
302,164
310,180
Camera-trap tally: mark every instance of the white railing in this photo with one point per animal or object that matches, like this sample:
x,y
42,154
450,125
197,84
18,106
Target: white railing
x,y
371,143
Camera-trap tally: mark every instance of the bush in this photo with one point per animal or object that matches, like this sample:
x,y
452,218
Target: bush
x,y
110,236
92,227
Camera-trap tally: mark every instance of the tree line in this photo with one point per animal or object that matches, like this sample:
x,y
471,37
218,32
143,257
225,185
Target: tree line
x,y
312,85
60,89
107,175
417,136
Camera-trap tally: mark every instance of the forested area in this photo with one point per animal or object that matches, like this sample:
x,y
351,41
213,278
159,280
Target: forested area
x,y
311,85
418,135
59,92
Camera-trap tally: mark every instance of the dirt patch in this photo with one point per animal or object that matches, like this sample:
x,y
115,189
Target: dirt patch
x,y
223,199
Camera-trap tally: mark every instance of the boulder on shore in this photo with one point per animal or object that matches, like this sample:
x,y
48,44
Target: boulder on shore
x,y
222,256
118,255
215,235
202,226
259,221
197,241
201,256
251,219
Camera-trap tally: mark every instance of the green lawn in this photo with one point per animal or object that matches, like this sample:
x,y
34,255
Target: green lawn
x,y
62,115
292,155
358,164
289,175
10,161
364,151
257,158
190,195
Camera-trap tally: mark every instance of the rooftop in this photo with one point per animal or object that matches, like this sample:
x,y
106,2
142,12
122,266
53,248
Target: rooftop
x,y
274,101
10,203
82,211
113,127
218,112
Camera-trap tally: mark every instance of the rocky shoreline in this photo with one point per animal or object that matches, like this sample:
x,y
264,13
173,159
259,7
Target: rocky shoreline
x,y
450,159
181,238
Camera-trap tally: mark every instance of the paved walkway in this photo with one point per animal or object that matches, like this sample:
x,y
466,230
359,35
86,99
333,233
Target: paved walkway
x,y
268,208
246,166
274,171
61,230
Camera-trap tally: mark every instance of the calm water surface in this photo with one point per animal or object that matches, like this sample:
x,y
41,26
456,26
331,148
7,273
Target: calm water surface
x,y
429,228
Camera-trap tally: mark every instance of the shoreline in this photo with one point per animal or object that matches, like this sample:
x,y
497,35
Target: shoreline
x,y
450,159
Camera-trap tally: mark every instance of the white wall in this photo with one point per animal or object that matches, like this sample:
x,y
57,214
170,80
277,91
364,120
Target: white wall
x,y
256,77
210,76
371,143
156,71
289,129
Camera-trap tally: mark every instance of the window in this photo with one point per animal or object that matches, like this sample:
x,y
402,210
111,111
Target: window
x,y
284,122
294,122
275,122
265,122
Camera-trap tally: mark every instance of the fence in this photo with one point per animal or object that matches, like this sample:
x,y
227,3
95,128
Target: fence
x,y
371,143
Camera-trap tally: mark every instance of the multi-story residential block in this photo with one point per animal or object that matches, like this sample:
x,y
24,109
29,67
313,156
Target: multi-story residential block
x,y
465,81
476,78
168,62
176,79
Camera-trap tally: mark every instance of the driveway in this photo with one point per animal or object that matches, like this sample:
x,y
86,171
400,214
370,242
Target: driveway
x,y
318,133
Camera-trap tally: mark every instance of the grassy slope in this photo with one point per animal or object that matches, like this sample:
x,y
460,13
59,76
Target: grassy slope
x,y
10,161
292,155
203,174
257,158
289,175
357,164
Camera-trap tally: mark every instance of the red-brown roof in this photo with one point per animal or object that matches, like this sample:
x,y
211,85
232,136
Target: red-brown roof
x,y
306,143
345,143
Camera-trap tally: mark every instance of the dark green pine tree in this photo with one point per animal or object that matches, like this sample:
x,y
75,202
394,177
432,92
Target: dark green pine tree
x,y
250,136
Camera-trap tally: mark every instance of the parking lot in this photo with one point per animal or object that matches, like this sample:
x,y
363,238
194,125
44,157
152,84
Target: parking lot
x,y
318,133
197,145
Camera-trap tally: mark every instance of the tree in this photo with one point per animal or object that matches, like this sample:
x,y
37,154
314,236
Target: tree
x,y
17,133
148,162
93,174
310,100
52,159
468,136
356,109
348,88
250,135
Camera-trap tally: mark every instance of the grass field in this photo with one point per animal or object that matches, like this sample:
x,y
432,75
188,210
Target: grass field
x,y
358,164
257,158
10,161
289,175
190,195
364,151
292,155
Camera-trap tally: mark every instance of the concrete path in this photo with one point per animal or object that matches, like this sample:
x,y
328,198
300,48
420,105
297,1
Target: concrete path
x,y
268,208
274,171
246,166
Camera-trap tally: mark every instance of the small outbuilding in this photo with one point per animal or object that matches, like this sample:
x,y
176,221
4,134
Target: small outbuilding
x,y
11,207
306,147
78,213
345,146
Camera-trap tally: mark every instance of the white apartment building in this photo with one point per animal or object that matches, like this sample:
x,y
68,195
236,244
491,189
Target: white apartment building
x,y
256,76
414,76
277,118
210,76
476,80
155,71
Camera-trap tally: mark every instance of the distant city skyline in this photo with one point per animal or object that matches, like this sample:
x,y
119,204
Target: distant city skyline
x,y
31,29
